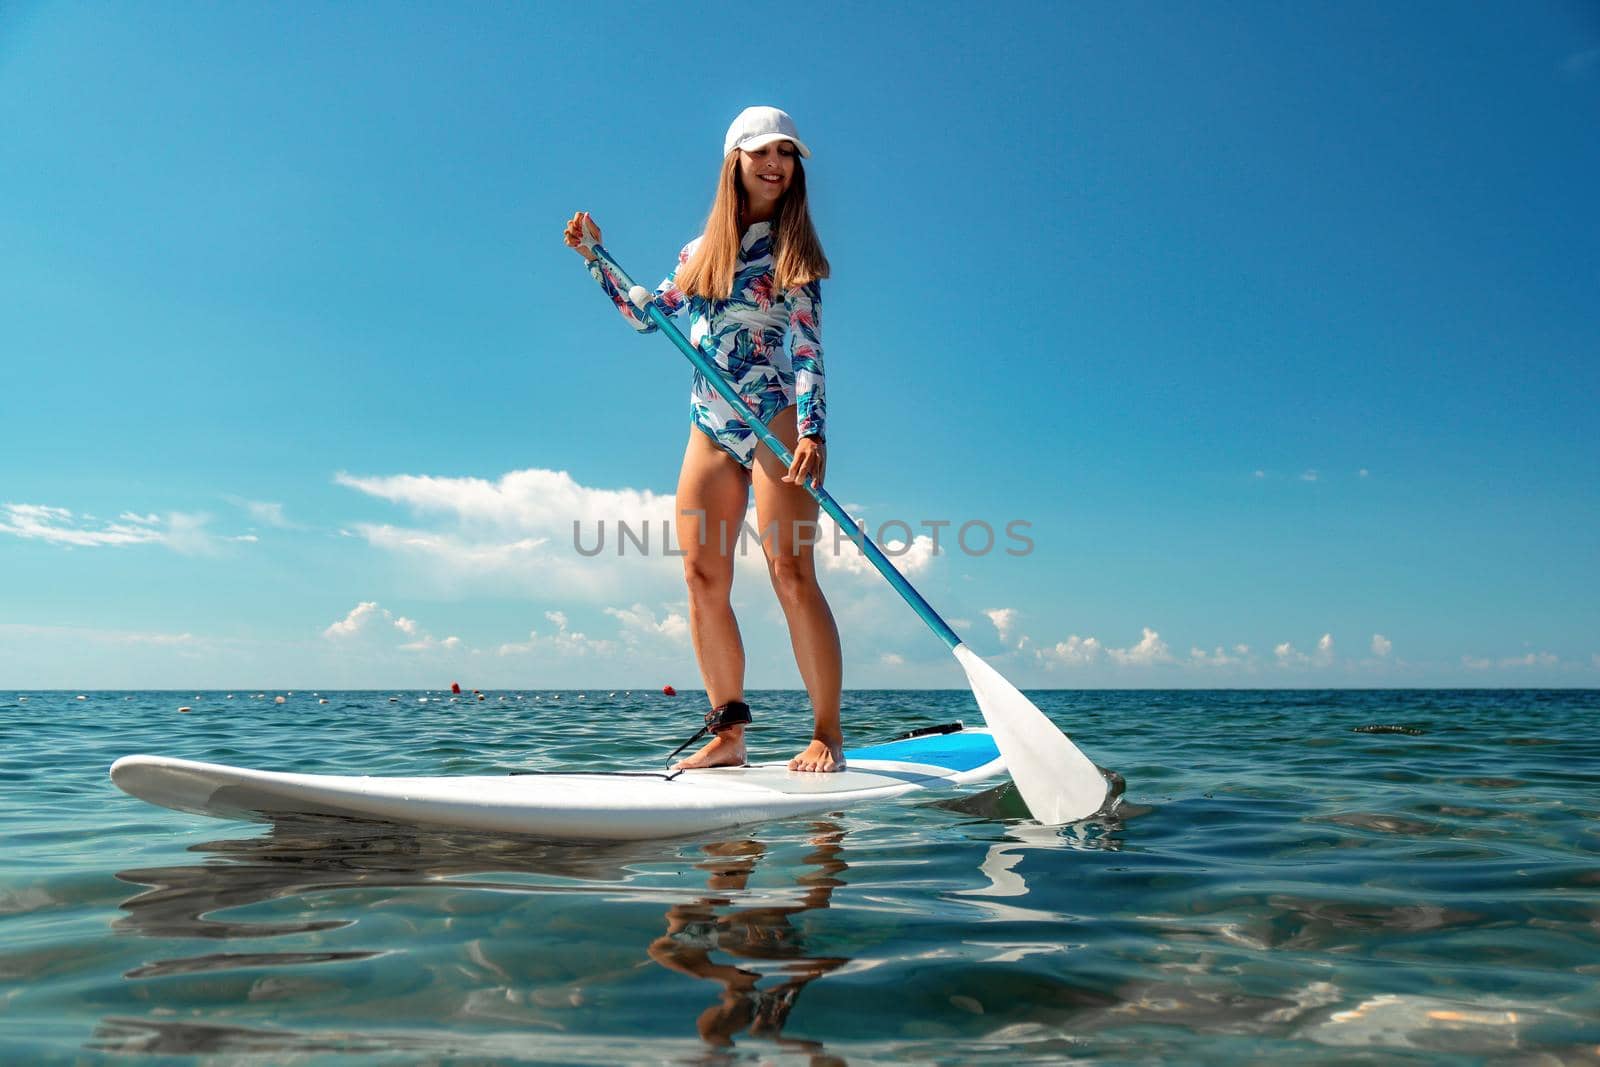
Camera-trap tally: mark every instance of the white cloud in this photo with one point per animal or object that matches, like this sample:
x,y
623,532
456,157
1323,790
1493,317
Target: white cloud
x,y
1381,646
1258,474
1310,476
525,531
894,659
1362,473
138,638
1078,651
1150,649
1529,659
266,512
454,552
640,620
525,499
1005,620
428,643
1075,651
539,530
360,619
838,554
59,526
564,642
79,634
369,621
1290,657
58,656
187,534
182,532
1220,657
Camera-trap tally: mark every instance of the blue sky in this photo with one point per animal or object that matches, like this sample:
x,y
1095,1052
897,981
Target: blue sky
x,y
1278,324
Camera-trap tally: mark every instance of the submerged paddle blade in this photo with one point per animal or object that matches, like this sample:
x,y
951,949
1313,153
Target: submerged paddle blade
x,y
1058,782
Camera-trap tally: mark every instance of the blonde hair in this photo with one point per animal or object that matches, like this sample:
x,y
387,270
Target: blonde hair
x,y
796,251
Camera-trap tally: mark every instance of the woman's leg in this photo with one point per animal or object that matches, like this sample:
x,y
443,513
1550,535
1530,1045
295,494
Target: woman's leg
x,y
713,492
787,516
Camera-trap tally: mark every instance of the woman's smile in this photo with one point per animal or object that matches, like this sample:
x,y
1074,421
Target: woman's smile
x,y
766,171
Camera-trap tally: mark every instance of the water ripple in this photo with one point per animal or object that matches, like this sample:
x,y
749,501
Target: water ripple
x,y
1281,881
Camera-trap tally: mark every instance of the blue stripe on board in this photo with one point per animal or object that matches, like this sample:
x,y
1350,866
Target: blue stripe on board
x,y
957,752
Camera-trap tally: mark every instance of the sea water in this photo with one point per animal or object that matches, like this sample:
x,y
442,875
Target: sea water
x,y
1281,883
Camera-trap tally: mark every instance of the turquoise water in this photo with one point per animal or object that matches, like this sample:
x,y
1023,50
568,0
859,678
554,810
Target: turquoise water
x,y
1277,884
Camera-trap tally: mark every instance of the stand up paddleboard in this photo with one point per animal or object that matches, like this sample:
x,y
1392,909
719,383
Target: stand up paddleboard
x,y
580,806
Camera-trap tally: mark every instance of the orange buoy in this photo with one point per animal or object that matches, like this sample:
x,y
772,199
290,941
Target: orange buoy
x,y
455,687
667,690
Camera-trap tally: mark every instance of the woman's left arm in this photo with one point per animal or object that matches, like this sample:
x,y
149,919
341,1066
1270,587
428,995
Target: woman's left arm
x,y
811,408
805,329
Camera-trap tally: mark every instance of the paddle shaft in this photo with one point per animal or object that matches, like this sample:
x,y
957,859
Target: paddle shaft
x,y
713,375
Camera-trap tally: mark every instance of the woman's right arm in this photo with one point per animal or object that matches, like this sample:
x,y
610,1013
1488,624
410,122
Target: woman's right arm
x,y
582,234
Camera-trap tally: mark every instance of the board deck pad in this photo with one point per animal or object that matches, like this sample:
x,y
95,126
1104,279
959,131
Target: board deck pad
x,y
591,806
959,750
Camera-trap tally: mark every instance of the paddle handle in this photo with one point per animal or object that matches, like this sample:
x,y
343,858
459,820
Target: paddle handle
x,y
641,299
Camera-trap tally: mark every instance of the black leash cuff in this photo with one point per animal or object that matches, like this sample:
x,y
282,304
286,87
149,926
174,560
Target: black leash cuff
x,y
733,713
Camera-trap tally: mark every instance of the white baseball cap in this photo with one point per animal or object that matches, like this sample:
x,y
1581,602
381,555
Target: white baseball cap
x,y
759,126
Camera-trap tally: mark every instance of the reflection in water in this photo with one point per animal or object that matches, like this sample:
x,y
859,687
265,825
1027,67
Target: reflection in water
x,y
1003,900
1002,860
299,858
176,1037
696,930
226,961
314,855
1004,803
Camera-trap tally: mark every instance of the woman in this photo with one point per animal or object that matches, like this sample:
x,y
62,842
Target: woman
x,y
751,278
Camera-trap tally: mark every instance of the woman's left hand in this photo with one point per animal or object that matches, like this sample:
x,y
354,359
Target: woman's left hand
x,y
810,461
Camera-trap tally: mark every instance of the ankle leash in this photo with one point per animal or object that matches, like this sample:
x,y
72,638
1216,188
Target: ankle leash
x,y
733,713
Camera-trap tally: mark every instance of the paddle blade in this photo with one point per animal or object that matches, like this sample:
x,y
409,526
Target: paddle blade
x,y
1057,781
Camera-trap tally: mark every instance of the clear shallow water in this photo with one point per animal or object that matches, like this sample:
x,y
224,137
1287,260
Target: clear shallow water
x,y
1276,884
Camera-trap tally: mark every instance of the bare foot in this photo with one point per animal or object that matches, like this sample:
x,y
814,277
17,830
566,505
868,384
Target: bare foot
x,y
724,750
820,756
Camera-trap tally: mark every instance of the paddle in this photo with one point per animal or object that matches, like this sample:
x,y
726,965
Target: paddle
x,y
1057,781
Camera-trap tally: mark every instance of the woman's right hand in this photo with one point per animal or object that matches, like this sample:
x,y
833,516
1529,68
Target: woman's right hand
x,y
581,233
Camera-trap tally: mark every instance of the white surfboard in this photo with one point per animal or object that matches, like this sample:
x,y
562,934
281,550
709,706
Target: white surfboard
x,y
583,806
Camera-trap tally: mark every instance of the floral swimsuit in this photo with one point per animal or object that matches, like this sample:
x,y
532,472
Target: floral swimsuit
x,y
744,337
